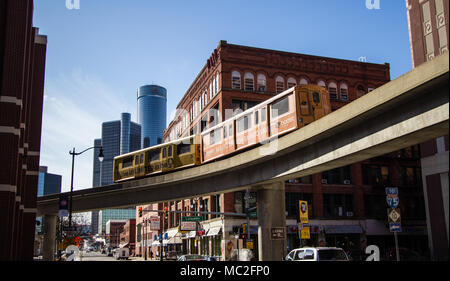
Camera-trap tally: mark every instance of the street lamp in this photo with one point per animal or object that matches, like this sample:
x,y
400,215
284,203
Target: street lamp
x,y
73,153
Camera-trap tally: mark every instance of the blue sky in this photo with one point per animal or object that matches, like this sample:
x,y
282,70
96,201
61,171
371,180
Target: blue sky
x,y
98,55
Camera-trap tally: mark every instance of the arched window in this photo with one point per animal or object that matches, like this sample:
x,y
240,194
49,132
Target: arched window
x,y
279,82
344,91
217,83
236,80
261,82
249,81
303,81
332,89
291,82
321,84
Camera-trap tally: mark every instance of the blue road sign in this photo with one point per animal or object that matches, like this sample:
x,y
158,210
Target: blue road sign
x,y
392,197
395,227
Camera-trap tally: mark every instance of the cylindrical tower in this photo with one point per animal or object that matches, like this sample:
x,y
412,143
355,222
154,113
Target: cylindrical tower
x,y
125,133
152,107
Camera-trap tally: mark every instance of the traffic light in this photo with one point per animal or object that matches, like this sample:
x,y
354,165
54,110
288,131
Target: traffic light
x,y
166,212
243,231
140,212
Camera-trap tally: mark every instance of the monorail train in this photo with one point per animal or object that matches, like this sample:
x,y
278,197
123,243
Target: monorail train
x,y
279,115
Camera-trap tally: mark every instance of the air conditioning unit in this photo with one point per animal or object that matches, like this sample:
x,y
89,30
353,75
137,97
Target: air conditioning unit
x,y
324,181
349,214
346,181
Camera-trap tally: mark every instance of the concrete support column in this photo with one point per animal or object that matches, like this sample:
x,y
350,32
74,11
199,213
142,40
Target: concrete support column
x,y
271,213
49,237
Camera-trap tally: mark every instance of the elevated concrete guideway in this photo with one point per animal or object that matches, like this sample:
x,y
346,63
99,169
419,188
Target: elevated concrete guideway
x,y
406,111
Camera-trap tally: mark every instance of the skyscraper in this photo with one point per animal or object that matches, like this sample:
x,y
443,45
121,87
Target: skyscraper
x,y
152,108
118,137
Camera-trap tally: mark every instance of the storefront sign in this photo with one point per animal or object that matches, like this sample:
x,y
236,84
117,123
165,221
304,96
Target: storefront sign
x,y
188,226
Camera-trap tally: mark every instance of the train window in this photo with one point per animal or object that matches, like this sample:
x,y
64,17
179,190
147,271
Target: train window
x,y
212,140
224,132
142,158
164,153
316,98
243,123
230,130
169,149
280,107
154,155
256,117
183,148
263,115
136,160
127,162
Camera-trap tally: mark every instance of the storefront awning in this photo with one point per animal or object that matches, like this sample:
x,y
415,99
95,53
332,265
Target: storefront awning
x,y
156,243
213,231
191,234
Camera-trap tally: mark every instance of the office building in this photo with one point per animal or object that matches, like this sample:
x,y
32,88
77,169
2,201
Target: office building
x,y
118,137
152,108
428,23
22,71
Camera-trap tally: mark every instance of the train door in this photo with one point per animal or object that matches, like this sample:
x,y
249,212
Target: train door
x,y
167,163
262,132
304,107
228,138
139,169
243,126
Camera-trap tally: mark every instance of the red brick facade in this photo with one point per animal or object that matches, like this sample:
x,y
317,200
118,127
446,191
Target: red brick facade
x,y
429,36
22,68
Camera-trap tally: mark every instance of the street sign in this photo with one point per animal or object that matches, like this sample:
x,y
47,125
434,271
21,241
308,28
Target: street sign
x,y
277,233
154,223
394,215
199,218
249,245
305,233
395,227
303,206
392,197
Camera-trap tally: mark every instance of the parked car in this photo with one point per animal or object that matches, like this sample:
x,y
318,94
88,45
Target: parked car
x,y
317,254
191,258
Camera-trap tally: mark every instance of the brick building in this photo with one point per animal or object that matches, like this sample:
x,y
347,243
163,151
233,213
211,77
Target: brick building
x,y
347,205
114,228
428,23
128,236
22,69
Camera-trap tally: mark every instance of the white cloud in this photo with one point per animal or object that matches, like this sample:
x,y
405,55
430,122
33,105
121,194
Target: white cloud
x,y
74,108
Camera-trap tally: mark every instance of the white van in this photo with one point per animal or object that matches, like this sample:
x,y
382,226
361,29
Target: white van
x,y
317,254
122,253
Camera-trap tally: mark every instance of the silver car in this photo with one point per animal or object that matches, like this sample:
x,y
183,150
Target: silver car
x,y
317,254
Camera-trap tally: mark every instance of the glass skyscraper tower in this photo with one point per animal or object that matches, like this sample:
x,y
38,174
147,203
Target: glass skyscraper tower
x,y
152,108
118,137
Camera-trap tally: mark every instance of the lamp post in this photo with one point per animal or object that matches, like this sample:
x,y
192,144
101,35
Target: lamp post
x,y
73,153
